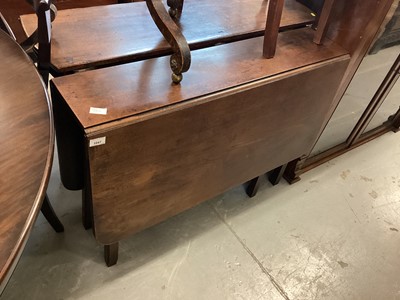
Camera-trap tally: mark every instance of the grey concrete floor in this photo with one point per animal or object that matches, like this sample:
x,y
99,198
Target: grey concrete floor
x,y
333,235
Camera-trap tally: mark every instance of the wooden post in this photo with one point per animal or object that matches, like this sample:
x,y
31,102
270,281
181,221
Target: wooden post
x,y
44,36
323,21
274,16
111,254
376,102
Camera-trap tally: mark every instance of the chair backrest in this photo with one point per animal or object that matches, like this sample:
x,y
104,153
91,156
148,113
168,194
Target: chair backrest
x,y
275,8
45,12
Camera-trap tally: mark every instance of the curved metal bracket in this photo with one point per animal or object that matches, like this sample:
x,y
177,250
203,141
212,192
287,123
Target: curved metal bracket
x,y
175,8
180,60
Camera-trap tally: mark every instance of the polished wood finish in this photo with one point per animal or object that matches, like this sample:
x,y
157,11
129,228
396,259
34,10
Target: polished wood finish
x,y
41,36
275,9
323,21
133,84
159,177
181,58
12,9
152,165
26,151
126,32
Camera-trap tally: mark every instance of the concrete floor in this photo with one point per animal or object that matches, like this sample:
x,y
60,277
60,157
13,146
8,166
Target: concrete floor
x,y
333,235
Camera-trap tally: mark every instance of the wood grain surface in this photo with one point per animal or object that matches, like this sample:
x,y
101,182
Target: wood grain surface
x,y
120,33
151,170
134,88
236,115
12,9
26,151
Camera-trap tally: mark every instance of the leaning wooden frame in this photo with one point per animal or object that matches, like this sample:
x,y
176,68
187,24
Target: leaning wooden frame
x,y
181,57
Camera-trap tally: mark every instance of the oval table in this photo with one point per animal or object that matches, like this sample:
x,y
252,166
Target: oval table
x,y
26,151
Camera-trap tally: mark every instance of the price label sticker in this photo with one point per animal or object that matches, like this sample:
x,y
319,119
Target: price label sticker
x,y
98,111
97,142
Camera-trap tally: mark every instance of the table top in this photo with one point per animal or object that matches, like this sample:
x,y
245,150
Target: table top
x,y
114,34
135,88
26,152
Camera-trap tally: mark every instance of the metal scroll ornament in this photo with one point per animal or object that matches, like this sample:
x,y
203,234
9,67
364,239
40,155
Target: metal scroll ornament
x,y
180,59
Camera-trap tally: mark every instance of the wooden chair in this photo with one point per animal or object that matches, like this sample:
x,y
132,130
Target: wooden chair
x,y
181,58
46,13
42,58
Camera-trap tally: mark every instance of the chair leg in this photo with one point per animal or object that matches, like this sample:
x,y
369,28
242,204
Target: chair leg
x,y
111,254
276,174
253,186
51,216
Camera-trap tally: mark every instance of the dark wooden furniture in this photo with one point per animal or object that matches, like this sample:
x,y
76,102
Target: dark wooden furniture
x,y
114,34
12,9
156,149
41,57
26,152
365,18
162,148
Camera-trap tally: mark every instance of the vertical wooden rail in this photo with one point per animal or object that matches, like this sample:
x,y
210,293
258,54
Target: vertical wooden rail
x,y
376,102
44,36
274,16
323,21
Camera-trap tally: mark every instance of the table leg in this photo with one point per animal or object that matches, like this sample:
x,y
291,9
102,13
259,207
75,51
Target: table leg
x,y
253,186
111,254
50,215
291,173
276,174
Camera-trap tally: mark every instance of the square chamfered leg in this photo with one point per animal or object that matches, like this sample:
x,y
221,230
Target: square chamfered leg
x,y
253,186
276,174
111,254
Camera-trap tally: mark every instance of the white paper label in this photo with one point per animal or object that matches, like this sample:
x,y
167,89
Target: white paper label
x,y
98,111
97,142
